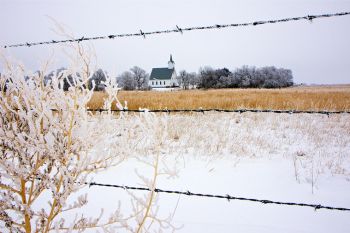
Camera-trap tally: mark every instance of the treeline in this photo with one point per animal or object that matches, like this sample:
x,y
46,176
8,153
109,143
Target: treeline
x,y
96,80
134,79
137,78
245,77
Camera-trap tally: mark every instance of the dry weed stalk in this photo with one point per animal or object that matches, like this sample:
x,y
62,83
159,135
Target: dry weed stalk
x,y
146,207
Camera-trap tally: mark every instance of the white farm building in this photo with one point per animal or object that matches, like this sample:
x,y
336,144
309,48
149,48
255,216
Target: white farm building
x,y
164,77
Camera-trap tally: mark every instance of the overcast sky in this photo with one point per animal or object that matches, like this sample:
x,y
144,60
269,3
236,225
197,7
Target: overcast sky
x,y
317,52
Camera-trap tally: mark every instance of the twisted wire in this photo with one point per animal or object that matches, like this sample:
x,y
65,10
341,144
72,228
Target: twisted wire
x,y
226,197
222,110
178,30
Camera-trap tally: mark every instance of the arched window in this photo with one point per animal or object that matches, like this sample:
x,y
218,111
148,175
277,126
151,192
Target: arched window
x,y
156,83
152,83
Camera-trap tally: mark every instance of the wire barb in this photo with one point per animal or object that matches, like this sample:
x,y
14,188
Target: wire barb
x,y
310,17
81,39
143,34
181,30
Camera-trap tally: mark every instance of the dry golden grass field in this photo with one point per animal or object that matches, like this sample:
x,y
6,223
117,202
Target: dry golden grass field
x,y
333,97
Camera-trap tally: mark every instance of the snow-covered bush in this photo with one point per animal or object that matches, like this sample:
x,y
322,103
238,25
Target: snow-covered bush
x,y
50,145
45,140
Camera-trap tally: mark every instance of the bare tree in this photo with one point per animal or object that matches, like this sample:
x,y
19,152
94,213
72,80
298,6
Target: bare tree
x,y
97,80
126,81
183,79
140,76
193,77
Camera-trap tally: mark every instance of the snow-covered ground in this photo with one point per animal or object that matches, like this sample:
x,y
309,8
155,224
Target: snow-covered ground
x,y
281,157
256,178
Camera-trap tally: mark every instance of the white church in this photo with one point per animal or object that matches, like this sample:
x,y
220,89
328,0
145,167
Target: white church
x,y
164,77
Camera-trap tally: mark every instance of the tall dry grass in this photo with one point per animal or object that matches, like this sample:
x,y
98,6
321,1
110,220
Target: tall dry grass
x,y
297,98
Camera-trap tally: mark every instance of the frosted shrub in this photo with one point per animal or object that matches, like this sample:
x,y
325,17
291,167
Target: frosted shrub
x,y
50,145
45,140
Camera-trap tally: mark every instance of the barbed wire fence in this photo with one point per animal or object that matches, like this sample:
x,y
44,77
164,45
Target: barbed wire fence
x,y
179,30
226,197
200,110
182,30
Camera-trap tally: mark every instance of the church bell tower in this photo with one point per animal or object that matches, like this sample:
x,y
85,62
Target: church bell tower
x,y
171,63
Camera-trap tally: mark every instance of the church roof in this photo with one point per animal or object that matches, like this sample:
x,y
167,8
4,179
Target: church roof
x,y
161,73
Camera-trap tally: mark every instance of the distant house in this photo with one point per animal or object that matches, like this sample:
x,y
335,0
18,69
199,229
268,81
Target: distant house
x,y
164,77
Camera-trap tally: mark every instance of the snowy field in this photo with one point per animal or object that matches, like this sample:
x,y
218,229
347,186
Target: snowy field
x,y
280,157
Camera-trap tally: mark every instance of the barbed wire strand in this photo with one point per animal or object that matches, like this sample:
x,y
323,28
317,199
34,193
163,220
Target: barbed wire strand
x,y
222,110
227,196
200,110
179,29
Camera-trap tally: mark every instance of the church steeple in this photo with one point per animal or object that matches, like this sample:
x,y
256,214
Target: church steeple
x,y
171,63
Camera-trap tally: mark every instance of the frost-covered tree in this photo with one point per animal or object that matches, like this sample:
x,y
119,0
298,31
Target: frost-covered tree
x,y
210,78
245,77
193,79
140,76
97,80
136,78
183,79
222,76
207,78
126,81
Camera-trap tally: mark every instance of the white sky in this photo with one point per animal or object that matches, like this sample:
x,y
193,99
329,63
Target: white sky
x,y
316,52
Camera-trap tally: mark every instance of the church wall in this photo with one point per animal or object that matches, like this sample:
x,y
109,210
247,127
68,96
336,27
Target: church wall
x,y
159,83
